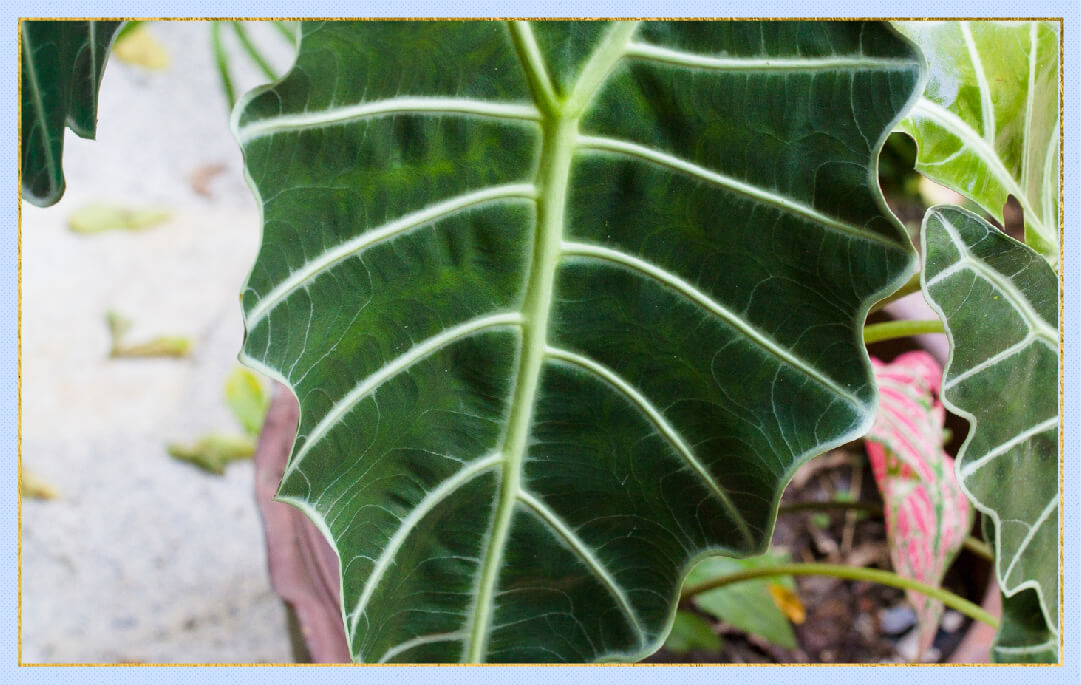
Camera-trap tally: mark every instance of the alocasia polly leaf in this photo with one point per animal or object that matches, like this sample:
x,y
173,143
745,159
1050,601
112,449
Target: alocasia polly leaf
x,y
564,305
62,63
927,515
987,125
999,302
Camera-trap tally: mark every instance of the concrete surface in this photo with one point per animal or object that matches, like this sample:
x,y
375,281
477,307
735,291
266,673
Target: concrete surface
x,y
143,558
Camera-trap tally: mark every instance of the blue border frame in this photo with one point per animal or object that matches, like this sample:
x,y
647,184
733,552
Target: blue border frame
x,y
1069,672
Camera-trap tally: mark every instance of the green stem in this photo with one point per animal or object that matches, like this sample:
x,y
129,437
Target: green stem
x,y
888,330
253,52
287,32
910,286
872,575
222,61
979,548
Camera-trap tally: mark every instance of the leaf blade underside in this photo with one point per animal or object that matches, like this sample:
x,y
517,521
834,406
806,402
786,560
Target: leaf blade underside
x,y
998,300
492,259
61,67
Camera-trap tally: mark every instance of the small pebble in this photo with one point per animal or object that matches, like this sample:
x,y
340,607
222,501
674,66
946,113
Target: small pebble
x,y
952,621
908,647
865,626
896,620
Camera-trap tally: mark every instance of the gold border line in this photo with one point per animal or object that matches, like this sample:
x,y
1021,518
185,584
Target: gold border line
x,y
1061,343
1062,175
19,352
537,665
1056,19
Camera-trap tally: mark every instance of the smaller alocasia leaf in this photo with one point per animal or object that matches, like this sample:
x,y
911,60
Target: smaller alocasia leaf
x,y
1024,637
987,125
999,302
748,605
927,515
61,63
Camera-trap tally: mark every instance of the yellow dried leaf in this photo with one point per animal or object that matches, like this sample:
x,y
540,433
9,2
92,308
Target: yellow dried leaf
x,y
162,346
33,486
139,47
95,218
788,602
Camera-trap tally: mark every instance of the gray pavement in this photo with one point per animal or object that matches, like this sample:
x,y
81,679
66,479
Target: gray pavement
x,y
143,558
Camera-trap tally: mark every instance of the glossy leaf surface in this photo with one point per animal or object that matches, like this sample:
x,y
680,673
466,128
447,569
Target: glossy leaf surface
x,y
564,305
987,125
999,302
927,515
62,63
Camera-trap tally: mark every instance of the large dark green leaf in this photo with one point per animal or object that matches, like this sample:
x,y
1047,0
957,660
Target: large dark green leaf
x,y
999,301
62,63
564,304
988,124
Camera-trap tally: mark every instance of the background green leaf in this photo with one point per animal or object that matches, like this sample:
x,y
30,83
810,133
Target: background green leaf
x,y
62,63
987,125
565,305
746,605
999,302
691,632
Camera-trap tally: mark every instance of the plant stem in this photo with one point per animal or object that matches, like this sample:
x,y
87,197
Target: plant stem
x,y
221,59
253,52
286,32
910,286
887,330
979,548
849,573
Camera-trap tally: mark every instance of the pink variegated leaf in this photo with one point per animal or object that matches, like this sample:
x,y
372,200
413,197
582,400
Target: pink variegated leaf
x,y
927,514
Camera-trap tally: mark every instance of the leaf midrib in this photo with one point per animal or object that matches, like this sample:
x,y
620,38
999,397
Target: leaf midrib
x,y
560,134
